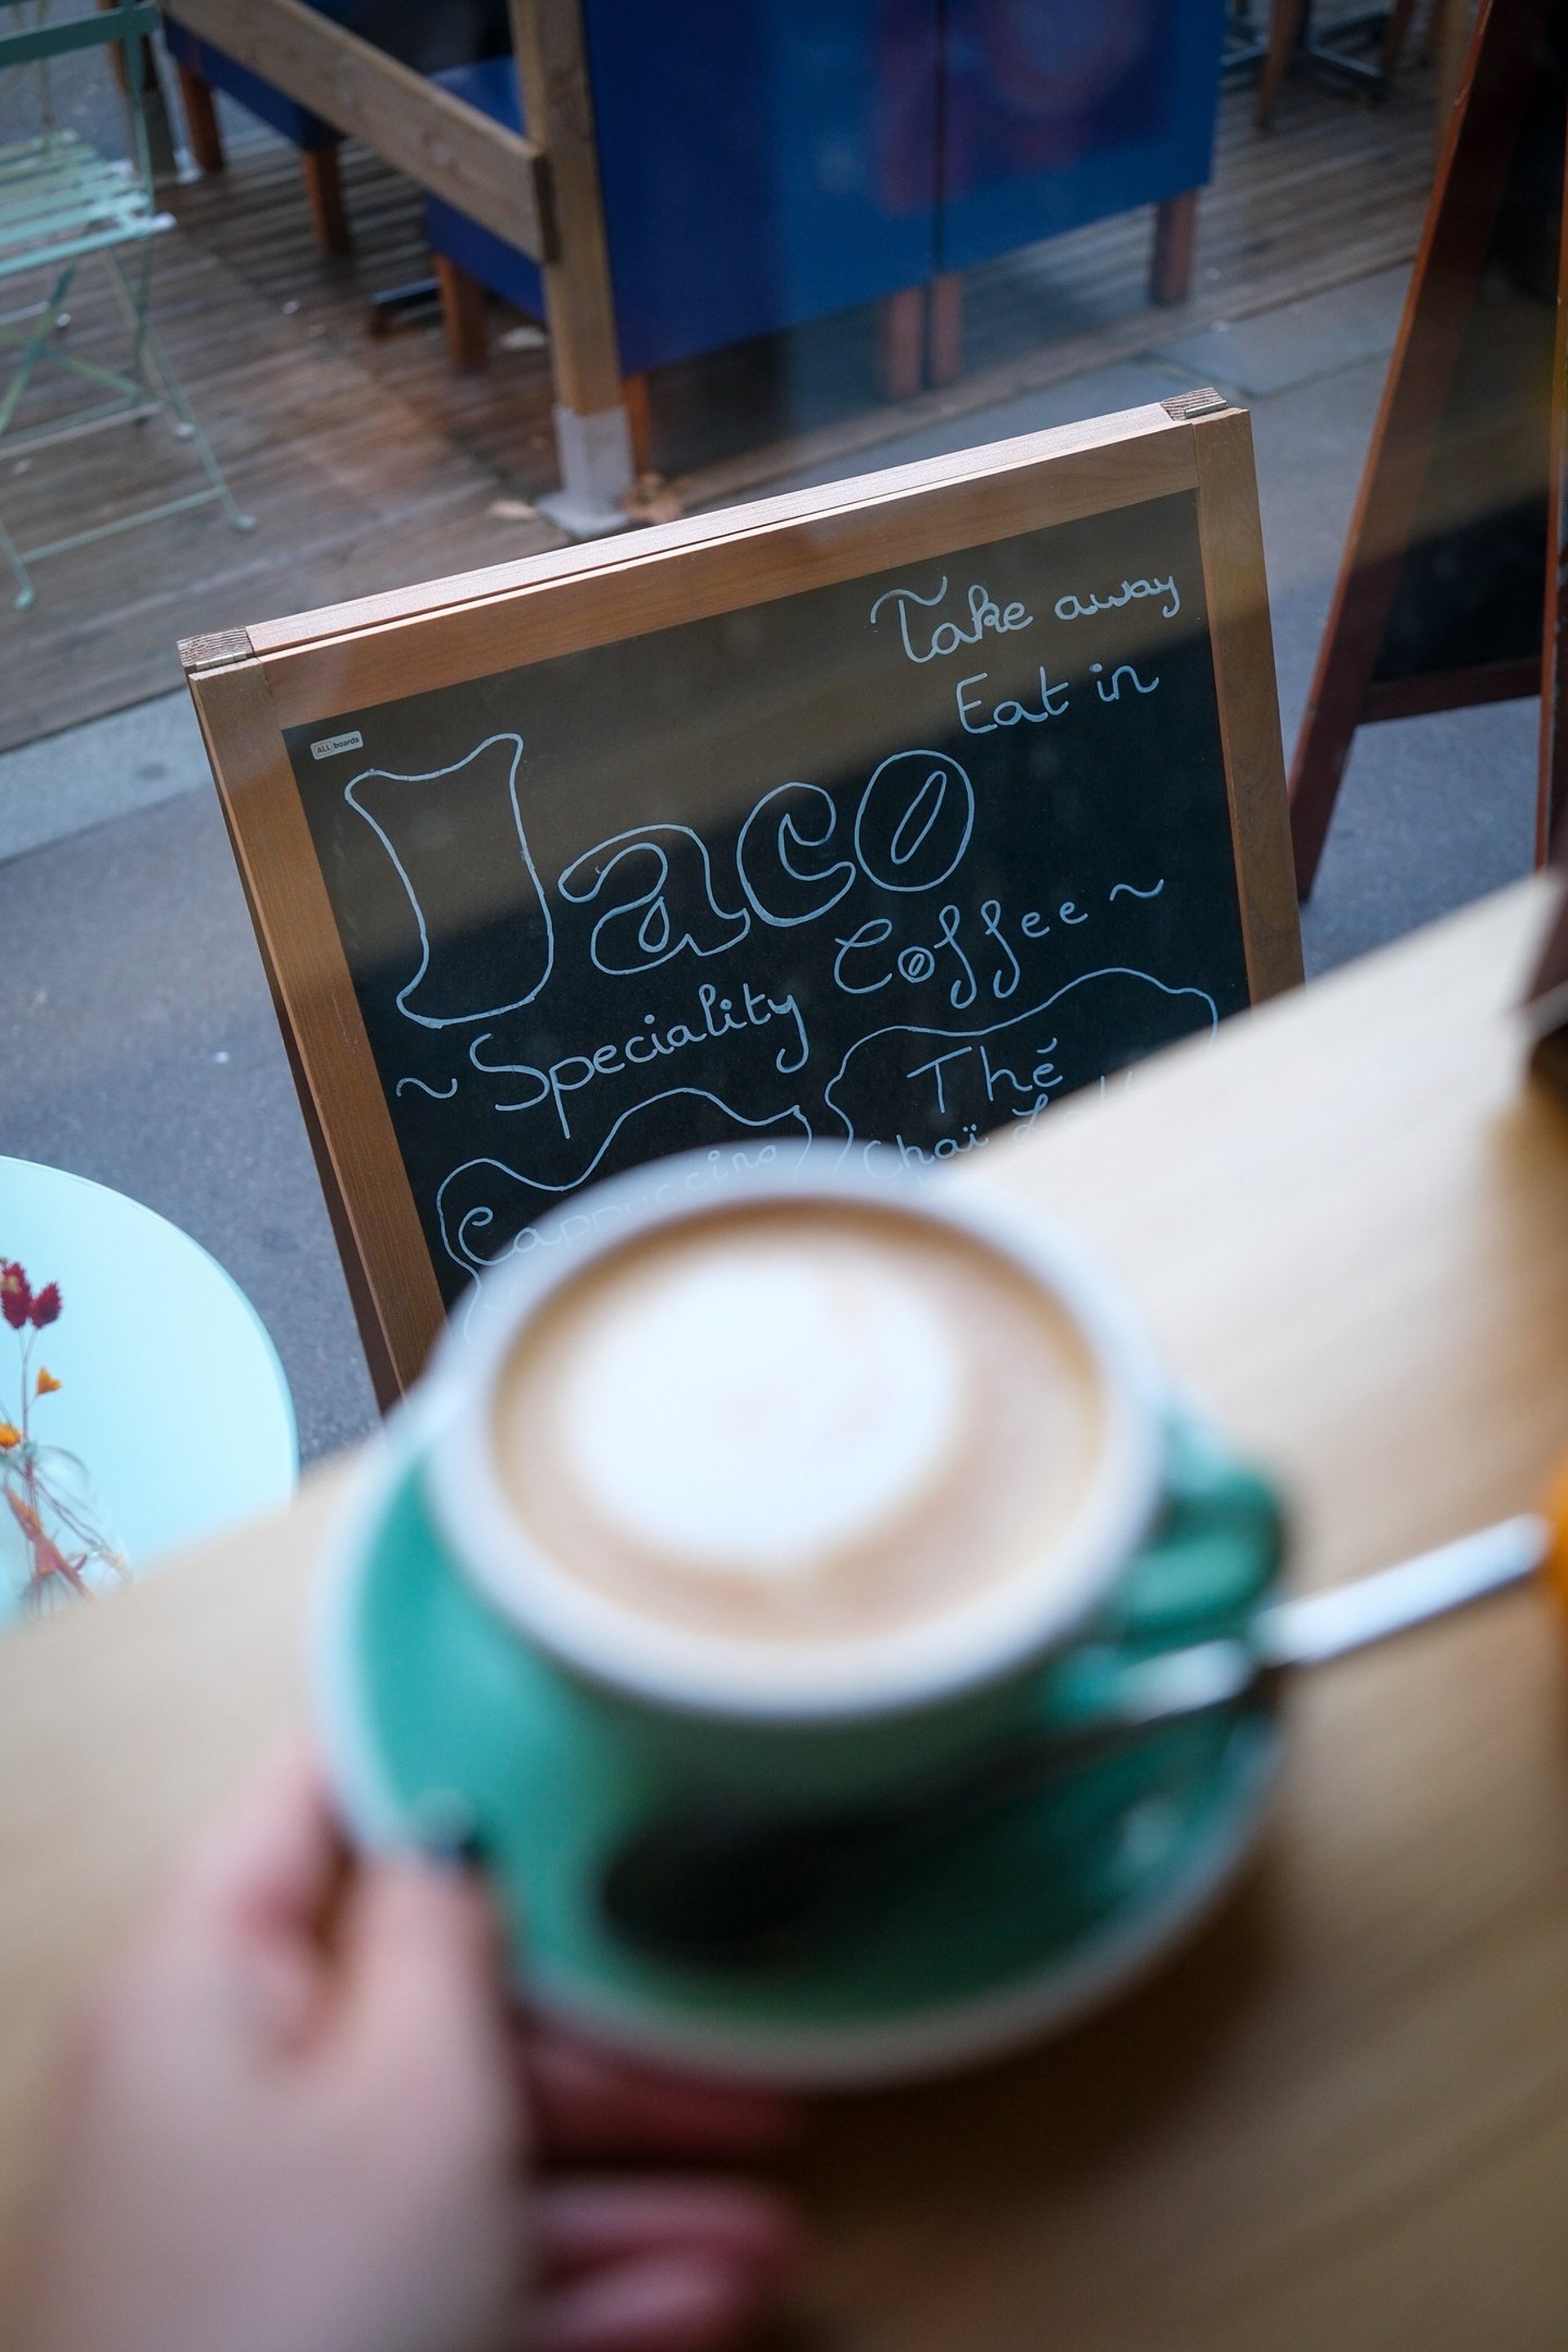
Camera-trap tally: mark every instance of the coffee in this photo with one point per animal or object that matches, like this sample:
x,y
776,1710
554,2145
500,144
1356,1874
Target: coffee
x,y
798,1422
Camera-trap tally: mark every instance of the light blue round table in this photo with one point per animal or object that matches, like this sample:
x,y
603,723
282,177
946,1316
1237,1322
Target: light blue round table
x,y
170,1391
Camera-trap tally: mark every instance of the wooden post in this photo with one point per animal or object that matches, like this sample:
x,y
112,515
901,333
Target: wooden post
x,y
592,431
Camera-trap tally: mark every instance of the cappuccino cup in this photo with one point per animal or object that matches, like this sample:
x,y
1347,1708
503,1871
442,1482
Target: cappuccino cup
x,y
797,1448
749,1501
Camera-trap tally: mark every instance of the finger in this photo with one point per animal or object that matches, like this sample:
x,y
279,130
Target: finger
x,y
268,1865
672,2303
584,2225
588,2103
420,1983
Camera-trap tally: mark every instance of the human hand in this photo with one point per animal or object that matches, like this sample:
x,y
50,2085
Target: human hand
x,y
295,2120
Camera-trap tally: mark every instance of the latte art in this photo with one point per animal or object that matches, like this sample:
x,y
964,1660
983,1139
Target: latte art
x,y
798,1422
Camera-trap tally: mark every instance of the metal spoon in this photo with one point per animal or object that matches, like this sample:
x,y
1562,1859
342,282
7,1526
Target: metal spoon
x,y
730,1884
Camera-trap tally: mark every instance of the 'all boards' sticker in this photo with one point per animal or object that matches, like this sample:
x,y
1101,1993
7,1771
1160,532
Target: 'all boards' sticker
x,y
332,744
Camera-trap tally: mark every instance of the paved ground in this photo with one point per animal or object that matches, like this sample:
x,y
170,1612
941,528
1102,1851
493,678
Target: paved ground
x,y
137,1039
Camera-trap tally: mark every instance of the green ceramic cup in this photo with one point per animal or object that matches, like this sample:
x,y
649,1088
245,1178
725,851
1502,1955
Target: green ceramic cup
x,y
462,1679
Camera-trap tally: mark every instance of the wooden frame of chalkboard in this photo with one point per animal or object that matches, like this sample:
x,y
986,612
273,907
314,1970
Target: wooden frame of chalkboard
x,y
702,643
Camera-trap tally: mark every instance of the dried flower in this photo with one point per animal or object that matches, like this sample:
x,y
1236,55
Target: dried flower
x,y
9,1436
15,1299
48,1384
45,1304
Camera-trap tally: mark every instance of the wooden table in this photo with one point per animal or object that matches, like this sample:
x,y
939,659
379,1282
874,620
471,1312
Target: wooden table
x,y
1340,2119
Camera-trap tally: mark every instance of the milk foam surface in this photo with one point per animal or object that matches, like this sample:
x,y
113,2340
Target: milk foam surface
x,y
798,1422
748,1410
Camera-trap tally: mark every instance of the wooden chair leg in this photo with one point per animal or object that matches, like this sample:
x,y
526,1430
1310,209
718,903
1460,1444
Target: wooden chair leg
x,y
324,191
1284,32
201,120
945,326
1175,235
901,341
463,317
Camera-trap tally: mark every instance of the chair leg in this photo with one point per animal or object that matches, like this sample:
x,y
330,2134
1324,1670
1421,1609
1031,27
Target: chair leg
x,y
201,120
1175,235
1394,39
463,317
900,342
1284,32
324,191
945,326
149,347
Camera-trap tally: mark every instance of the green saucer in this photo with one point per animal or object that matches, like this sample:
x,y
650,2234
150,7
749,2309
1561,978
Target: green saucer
x,y
431,1701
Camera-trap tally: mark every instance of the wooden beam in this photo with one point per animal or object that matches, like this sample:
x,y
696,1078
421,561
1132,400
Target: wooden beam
x,y
592,431
452,149
557,103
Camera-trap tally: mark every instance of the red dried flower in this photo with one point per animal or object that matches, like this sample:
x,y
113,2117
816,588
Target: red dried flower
x,y
45,1304
15,1299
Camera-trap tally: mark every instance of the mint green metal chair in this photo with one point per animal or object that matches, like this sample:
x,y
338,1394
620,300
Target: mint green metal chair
x,y
61,204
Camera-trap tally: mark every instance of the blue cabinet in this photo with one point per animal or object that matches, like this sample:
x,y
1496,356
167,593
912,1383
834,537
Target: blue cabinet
x,y
1058,112
763,163
768,162
760,165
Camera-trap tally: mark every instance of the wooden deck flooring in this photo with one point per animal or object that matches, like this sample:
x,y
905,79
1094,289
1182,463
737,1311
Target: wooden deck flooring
x,y
367,465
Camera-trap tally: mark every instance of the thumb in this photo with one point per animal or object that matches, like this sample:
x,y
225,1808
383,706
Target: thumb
x,y
421,1980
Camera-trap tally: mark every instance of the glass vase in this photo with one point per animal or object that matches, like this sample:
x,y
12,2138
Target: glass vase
x,y
57,1544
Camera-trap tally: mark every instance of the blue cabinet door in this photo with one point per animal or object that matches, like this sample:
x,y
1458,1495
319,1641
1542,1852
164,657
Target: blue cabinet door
x,y
1058,112
764,162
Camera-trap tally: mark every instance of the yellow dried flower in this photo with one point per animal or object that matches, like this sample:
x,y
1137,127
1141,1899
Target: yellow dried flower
x,y
9,1436
48,1384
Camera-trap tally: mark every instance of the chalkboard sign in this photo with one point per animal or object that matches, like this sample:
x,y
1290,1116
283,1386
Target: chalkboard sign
x,y
894,815
1449,594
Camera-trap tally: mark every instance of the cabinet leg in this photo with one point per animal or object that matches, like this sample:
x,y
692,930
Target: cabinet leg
x,y
900,342
324,190
463,317
945,324
201,120
633,393
1175,234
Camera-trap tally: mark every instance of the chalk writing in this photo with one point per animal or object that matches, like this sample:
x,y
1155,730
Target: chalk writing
x,y
476,1203
478,827
1083,608
947,636
675,909
1110,689
1009,712
898,861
